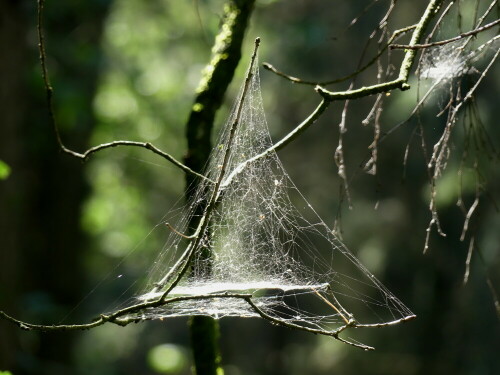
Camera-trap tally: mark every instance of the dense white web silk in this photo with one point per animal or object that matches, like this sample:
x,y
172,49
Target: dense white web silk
x,y
266,241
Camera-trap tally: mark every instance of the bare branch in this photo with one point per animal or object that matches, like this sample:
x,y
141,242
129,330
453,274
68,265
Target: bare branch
x,y
283,142
116,316
380,325
467,261
284,323
351,323
50,104
446,41
493,291
169,226
363,91
402,81
147,146
344,78
468,216
328,96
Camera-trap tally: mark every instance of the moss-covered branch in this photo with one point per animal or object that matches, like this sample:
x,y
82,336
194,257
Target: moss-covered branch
x,y
404,72
217,75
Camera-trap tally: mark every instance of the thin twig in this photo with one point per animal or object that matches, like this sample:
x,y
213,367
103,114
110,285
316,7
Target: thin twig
x,y
284,323
415,110
468,260
200,22
45,76
396,33
402,81
169,226
299,129
446,41
147,146
481,77
180,268
50,104
357,18
392,323
339,154
328,97
493,291
115,317
468,217
332,306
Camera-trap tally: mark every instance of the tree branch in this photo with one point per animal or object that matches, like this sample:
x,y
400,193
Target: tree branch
x,y
115,317
402,81
284,323
147,146
446,41
182,265
344,78
328,96
283,142
217,75
49,91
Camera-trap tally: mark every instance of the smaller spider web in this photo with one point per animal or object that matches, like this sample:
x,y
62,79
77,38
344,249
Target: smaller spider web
x,y
264,240
444,63
454,60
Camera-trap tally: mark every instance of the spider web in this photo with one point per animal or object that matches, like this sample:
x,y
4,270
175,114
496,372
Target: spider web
x,y
444,63
265,240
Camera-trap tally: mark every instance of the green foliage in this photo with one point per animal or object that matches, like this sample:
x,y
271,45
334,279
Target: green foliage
x,y
4,170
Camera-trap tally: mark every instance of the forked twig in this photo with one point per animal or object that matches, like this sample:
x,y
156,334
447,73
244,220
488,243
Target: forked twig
x,y
332,306
284,323
351,323
446,41
396,33
147,146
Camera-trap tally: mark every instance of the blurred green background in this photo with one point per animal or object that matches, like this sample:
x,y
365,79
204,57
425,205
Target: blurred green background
x,y
77,238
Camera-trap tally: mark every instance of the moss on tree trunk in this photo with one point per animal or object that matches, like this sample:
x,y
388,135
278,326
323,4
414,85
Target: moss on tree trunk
x,y
217,76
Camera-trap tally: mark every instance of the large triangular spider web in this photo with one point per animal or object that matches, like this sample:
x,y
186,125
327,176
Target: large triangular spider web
x,y
267,242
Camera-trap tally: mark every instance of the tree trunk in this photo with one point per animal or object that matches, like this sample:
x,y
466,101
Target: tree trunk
x,y
42,243
226,54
